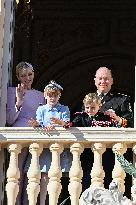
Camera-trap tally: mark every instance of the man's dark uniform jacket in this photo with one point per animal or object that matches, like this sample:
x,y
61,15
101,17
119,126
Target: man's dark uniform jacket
x,y
120,103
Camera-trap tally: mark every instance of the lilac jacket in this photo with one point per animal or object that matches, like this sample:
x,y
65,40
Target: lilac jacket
x,y
20,118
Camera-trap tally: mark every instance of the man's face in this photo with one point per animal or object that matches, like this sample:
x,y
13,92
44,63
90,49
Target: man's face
x,y
103,80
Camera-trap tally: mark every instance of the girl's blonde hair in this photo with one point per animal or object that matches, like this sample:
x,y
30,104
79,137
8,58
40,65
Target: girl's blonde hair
x,y
53,89
90,98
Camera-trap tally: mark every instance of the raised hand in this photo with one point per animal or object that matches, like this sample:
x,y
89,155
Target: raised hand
x,y
20,92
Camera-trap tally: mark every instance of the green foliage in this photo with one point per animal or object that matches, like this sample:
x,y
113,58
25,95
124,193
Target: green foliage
x,y
127,166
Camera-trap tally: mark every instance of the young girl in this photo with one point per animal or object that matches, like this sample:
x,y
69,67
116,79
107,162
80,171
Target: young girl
x,y
92,117
49,116
53,113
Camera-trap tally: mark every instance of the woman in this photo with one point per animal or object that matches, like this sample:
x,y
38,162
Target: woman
x,y
22,103
23,100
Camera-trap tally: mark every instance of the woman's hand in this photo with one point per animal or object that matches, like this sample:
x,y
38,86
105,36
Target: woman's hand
x,y
20,92
57,121
32,122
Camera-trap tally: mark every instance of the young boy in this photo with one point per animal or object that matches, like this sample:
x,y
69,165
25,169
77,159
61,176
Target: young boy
x,y
92,117
49,116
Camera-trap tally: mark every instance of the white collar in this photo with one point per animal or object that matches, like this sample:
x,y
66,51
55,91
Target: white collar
x,y
100,93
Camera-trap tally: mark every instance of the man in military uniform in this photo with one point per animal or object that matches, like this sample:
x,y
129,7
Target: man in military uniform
x,y
113,104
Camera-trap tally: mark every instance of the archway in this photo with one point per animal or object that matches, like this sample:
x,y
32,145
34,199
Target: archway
x,y
69,46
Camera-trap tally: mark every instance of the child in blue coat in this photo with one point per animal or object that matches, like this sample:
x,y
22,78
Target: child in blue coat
x,y
48,116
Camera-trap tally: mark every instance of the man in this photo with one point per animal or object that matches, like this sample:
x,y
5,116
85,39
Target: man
x,y
116,105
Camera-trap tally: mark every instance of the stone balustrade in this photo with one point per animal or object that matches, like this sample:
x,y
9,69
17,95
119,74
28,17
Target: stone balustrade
x,y
118,139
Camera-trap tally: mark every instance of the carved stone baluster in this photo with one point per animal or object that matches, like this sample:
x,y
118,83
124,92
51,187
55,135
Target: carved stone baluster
x,y
13,174
54,186
97,172
118,173
133,188
75,174
34,173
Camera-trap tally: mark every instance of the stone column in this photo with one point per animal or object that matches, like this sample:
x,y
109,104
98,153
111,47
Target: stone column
x,y
97,172
118,173
12,187
2,175
54,186
75,174
6,53
34,173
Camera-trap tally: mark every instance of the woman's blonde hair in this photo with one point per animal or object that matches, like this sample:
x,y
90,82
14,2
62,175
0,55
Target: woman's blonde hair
x,y
23,66
90,98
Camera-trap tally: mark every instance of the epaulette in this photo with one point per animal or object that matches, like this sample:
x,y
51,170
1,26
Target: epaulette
x,y
125,95
121,94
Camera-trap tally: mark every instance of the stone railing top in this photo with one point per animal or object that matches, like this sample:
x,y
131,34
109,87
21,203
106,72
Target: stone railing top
x,y
80,134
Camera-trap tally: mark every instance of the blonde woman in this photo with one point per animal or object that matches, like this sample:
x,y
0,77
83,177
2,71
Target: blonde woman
x,y
23,100
22,103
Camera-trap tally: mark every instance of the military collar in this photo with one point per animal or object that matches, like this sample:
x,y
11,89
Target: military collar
x,y
98,93
106,97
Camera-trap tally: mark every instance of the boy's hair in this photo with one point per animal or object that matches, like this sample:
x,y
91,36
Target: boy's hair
x,y
53,89
23,66
90,98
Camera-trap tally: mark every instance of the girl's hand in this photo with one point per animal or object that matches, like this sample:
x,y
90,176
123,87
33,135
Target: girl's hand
x,y
49,128
56,121
32,122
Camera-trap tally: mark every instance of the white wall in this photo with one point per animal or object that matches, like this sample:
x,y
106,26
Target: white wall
x,y
6,54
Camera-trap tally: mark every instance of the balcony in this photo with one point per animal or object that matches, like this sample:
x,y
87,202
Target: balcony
x,y
118,139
